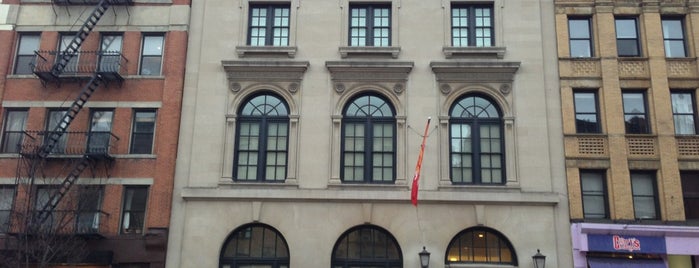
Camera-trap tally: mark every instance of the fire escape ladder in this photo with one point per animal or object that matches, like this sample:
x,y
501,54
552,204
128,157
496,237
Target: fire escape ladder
x,y
72,48
63,189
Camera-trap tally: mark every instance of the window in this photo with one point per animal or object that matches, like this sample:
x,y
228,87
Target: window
x,y
55,117
367,246
683,113
151,55
368,141
594,194
89,205
28,43
673,37
13,131
268,25
100,131
586,115
143,131
133,214
480,245
7,197
635,115
580,37
690,194
49,218
645,201
255,245
627,40
370,25
476,144
63,44
110,52
471,25
262,140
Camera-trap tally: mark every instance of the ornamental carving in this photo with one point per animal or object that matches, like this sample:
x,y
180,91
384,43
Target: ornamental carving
x,y
386,74
286,73
451,74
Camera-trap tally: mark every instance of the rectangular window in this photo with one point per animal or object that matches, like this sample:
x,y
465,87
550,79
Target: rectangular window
x,y
100,131
594,194
683,112
151,55
586,115
143,130
268,25
370,25
580,34
635,115
52,218
645,197
64,42
110,52
133,213
673,37
28,43
89,206
627,37
55,117
472,25
7,197
690,194
13,130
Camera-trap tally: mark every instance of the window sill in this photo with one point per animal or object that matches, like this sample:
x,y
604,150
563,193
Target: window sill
x,y
337,185
474,52
288,183
136,156
350,52
482,188
145,77
265,51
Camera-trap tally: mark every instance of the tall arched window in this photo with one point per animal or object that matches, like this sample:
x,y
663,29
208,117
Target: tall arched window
x,y
476,151
262,139
368,140
480,245
367,246
255,245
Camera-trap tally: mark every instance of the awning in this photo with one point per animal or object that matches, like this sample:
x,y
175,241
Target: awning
x,y
624,263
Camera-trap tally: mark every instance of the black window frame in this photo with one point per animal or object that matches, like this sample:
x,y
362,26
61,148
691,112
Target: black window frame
x,y
472,28
667,39
474,233
594,193
275,117
637,197
247,234
690,194
640,127
20,56
110,60
137,133
636,40
588,40
369,123
582,126
370,38
61,145
144,56
99,141
89,209
10,145
692,114
368,248
7,193
138,213
269,27
474,125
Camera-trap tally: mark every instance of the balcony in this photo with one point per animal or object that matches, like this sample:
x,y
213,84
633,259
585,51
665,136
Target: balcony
x,y
62,223
91,2
688,147
71,144
586,146
110,64
641,146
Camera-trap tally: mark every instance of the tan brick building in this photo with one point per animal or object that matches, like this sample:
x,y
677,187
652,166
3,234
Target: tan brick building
x,y
90,98
629,84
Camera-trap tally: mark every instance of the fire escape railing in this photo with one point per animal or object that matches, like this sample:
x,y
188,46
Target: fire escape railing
x,y
83,64
72,143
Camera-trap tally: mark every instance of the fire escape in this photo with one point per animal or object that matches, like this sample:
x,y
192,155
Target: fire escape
x,y
39,149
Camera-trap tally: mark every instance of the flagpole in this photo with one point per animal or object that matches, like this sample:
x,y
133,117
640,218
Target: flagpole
x,y
418,166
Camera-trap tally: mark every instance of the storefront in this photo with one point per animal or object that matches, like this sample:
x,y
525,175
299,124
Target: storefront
x,y
640,246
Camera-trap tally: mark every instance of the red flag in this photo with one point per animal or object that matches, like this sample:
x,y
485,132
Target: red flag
x,y
416,177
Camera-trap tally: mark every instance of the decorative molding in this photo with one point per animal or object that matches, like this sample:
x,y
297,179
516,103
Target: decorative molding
x,y
474,52
388,74
285,73
265,51
452,73
347,52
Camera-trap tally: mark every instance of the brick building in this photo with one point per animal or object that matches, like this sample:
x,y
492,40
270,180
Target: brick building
x,y
629,91
90,99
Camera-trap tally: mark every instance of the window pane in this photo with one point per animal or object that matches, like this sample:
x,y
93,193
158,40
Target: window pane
x,y
153,45
644,199
674,49
15,123
580,48
672,29
625,28
627,47
579,28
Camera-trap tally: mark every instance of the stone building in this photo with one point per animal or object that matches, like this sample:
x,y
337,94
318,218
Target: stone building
x,y
302,123
90,95
629,91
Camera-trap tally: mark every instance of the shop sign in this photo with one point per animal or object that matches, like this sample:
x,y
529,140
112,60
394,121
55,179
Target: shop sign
x,y
626,243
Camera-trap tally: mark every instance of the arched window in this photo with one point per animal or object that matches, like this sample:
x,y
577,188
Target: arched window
x,y
368,141
367,246
480,245
255,245
476,151
262,140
